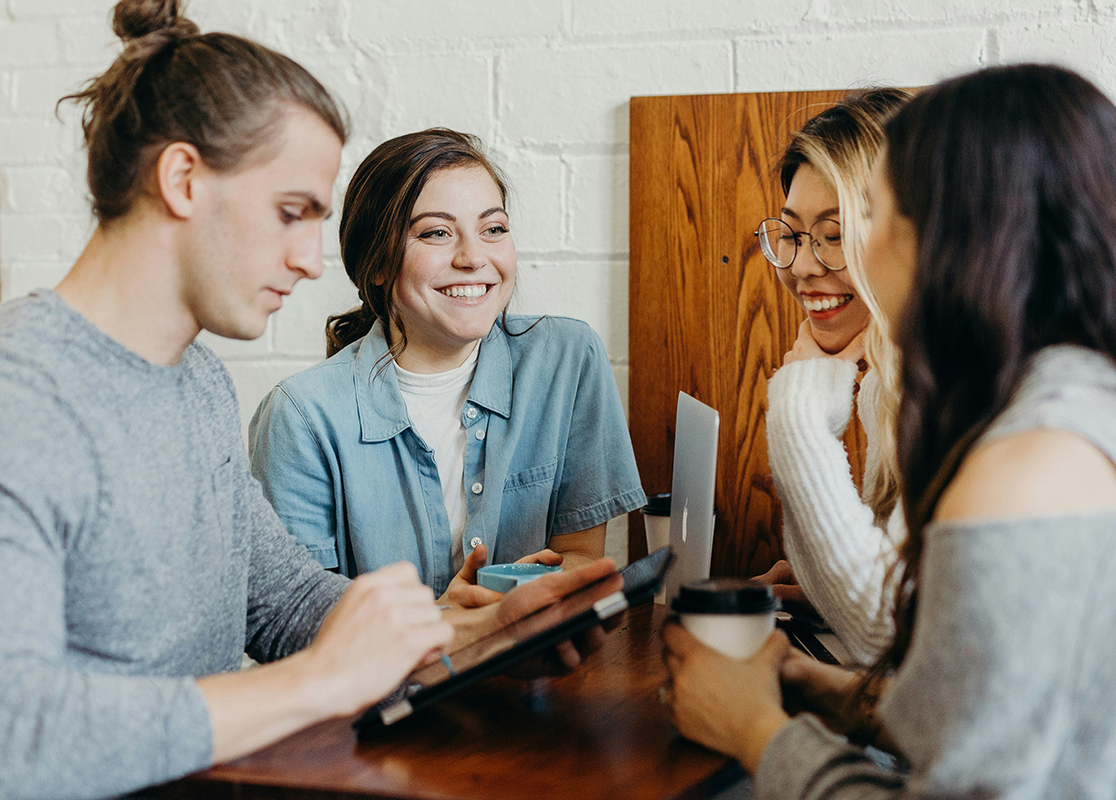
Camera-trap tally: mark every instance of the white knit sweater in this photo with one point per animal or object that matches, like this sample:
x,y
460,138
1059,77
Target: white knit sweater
x,y
838,553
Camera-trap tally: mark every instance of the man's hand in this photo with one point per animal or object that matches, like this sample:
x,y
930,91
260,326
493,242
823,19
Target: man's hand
x,y
384,624
463,589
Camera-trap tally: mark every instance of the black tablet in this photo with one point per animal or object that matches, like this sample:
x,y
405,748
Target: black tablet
x,y
508,646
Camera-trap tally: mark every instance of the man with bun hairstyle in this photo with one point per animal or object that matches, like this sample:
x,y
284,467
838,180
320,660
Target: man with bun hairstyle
x,y
136,551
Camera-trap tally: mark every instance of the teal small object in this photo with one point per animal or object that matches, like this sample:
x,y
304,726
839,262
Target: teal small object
x,y
505,577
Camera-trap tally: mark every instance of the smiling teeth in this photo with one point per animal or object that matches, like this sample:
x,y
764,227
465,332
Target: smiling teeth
x,y
825,303
472,290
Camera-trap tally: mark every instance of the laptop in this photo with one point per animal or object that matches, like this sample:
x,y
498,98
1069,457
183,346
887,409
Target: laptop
x,y
696,429
692,518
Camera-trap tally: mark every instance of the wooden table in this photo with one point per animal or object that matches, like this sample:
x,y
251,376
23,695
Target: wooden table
x,y
599,733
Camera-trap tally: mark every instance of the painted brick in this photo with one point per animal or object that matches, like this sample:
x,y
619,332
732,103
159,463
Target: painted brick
x,y
454,21
1089,49
254,379
580,95
23,279
451,91
836,61
890,12
619,17
35,140
244,18
598,204
40,237
36,91
300,324
621,373
24,9
361,83
42,190
535,200
88,41
593,291
28,44
616,541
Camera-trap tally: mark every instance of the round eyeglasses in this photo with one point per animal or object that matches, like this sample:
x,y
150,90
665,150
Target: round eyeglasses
x,y
779,243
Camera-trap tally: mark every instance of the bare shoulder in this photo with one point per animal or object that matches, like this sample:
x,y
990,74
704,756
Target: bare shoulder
x,y
1039,472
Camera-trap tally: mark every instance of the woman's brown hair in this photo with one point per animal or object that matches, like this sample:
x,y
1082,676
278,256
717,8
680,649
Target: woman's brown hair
x,y
376,217
221,93
1008,177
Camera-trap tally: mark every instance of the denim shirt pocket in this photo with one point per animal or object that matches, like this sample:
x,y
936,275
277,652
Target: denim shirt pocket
x,y
531,478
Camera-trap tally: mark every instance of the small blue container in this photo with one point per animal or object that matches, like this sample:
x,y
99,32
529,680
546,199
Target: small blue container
x,y
505,577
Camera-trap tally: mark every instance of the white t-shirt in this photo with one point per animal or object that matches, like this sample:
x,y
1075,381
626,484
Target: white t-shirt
x,y
434,404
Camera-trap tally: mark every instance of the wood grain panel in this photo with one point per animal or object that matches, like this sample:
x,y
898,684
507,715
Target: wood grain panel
x,y
707,314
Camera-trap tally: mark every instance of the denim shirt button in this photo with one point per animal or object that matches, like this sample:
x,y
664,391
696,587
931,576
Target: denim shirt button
x,y
478,488
471,412
480,434
475,542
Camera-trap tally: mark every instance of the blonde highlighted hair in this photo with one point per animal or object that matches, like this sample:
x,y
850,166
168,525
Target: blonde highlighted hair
x,y
842,143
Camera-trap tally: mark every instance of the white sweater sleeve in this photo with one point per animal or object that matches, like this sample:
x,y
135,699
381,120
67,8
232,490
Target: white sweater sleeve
x,y
838,554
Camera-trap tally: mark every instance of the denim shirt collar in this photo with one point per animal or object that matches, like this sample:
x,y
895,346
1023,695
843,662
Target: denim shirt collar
x,y
380,404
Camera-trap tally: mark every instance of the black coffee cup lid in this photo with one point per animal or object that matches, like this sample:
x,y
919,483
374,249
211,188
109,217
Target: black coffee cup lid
x,y
658,505
724,596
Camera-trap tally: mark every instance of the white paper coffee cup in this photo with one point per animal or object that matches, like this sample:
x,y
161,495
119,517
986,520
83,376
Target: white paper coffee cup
x,y
656,521
731,615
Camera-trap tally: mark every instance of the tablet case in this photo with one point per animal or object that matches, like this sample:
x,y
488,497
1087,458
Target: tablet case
x,y
524,638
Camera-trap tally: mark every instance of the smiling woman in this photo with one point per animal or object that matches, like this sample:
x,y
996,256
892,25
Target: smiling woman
x,y
442,430
839,543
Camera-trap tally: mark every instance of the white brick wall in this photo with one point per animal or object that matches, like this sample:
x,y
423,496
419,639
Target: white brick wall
x,y
545,82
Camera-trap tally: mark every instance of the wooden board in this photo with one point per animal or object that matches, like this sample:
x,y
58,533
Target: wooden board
x,y
707,314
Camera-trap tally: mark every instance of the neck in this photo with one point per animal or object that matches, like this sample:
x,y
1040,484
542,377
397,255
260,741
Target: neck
x,y
426,360
126,282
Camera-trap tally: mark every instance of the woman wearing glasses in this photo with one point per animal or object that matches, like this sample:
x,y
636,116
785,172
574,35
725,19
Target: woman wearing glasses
x,y
839,544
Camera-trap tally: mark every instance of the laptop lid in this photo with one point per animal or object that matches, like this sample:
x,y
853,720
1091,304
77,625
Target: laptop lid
x,y
691,502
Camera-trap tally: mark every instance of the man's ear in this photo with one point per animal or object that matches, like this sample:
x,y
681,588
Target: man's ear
x,y
177,171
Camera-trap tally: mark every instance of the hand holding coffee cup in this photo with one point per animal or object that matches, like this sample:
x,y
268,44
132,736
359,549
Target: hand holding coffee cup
x,y
731,615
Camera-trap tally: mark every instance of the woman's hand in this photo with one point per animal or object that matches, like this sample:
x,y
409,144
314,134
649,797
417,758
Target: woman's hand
x,y
806,347
463,590
783,583
473,624
833,694
734,706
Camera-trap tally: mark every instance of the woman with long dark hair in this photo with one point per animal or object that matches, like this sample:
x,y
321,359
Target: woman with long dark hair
x,y
993,254
442,430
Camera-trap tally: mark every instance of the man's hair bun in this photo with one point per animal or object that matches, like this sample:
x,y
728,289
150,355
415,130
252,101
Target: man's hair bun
x,y
134,19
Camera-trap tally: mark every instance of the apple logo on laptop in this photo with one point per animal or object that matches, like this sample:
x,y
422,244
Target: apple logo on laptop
x,y
685,518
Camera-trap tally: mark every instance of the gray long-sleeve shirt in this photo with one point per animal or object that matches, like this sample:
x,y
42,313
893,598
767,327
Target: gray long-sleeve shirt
x,y
1009,687
136,552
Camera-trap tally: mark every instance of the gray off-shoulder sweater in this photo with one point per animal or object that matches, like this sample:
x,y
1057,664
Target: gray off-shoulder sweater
x,y
1009,688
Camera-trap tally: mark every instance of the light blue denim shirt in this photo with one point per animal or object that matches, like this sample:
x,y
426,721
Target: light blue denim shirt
x,y
547,453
